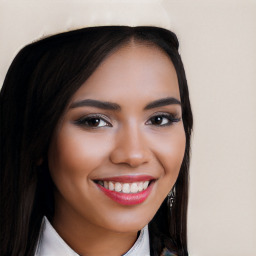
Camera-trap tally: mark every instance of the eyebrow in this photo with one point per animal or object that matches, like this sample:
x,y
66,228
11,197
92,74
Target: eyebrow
x,y
162,102
96,104
113,106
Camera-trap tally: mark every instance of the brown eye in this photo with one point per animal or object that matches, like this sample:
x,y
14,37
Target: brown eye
x,y
93,122
157,120
163,119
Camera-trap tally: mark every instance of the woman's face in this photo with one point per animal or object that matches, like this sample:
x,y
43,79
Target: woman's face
x,y
117,151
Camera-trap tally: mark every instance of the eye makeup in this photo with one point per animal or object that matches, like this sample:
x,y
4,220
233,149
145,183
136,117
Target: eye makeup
x,y
163,119
93,121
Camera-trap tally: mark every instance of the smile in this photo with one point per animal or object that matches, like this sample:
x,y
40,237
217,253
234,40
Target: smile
x,y
127,190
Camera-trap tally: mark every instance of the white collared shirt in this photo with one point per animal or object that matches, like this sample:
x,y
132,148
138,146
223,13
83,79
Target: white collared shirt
x,y
51,244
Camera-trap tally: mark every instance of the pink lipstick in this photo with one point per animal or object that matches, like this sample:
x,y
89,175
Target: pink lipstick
x,y
127,190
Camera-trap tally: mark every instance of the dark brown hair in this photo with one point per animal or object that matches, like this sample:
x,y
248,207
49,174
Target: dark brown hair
x,y
37,88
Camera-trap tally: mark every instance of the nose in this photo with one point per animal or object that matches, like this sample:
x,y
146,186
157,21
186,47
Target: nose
x,y
130,148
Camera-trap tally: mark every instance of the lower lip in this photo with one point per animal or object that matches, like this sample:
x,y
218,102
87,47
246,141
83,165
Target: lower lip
x,y
127,199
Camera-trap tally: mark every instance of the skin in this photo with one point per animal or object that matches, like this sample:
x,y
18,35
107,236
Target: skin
x,y
129,143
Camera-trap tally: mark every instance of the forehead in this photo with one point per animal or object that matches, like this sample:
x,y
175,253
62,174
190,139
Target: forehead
x,y
134,71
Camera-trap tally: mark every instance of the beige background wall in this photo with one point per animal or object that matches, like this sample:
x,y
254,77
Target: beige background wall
x,y
218,46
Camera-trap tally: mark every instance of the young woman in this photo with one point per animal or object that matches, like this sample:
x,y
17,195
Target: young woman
x,y
95,142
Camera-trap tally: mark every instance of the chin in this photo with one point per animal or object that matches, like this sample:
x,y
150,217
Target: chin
x,y
128,220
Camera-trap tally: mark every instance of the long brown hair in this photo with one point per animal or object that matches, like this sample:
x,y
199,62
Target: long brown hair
x,y
37,88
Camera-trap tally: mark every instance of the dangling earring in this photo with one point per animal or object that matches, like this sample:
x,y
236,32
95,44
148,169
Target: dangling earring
x,y
171,196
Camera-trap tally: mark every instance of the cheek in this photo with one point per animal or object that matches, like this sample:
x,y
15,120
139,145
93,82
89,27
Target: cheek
x,y
170,151
72,157
75,153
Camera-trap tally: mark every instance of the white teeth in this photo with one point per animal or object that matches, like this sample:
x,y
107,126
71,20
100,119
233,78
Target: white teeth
x,y
118,187
134,187
126,188
140,186
111,186
145,184
105,184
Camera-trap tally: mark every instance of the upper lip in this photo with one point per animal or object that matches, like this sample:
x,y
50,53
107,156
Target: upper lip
x,y
128,178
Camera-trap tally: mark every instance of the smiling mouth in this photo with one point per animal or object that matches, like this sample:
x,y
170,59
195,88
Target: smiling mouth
x,y
126,188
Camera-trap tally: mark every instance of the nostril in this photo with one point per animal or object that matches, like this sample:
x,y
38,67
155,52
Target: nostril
x,y
130,149
133,159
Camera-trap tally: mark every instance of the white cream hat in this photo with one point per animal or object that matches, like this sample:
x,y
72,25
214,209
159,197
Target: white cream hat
x,y
23,21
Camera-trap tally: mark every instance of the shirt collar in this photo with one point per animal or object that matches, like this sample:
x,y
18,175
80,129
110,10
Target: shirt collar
x,y
51,244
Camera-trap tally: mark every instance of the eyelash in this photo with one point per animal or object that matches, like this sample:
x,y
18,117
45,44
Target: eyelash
x,y
84,121
172,118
